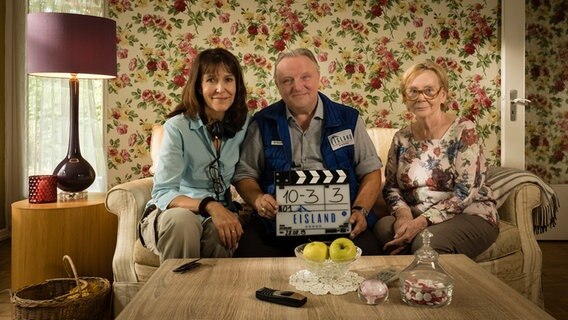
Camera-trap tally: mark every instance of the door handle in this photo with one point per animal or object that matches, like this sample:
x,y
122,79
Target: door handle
x,y
514,101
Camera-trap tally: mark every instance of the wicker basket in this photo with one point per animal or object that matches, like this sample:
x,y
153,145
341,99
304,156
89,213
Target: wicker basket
x,y
85,298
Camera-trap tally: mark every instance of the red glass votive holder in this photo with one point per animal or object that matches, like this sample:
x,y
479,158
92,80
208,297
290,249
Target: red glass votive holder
x,y
42,189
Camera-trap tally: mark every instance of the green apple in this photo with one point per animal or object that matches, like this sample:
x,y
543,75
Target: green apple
x,y
315,251
342,249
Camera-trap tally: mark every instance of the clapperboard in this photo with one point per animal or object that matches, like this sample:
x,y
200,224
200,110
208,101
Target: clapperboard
x,y
312,202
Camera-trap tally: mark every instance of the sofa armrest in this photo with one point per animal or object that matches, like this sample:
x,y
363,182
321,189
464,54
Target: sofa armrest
x,y
127,201
518,210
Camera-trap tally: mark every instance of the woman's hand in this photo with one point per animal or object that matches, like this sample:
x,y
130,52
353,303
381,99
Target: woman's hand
x,y
405,228
227,224
266,206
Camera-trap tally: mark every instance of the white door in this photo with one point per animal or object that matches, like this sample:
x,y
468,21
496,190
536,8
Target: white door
x,y
513,111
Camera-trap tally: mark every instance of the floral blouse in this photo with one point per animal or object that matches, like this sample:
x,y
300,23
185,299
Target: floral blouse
x,y
439,178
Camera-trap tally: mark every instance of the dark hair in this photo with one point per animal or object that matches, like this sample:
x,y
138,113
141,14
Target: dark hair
x,y
192,102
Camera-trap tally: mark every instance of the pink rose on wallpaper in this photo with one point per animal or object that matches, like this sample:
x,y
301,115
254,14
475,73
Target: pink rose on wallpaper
x,y
125,155
325,82
359,27
263,29
215,40
160,97
125,79
332,66
122,129
358,99
322,56
184,46
427,32
376,83
376,10
345,97
219,4
152,65
361,68
224,17
317,42
132,64
112,152
298,27
115,113
252,104
350,68
146,170
260,61
163,65
147,95
263,103
160,22
179,81
122,53
418,22
345,24
234,28
469,48
382,123
248,59
252,30
227,43
147,20
132,139
180,5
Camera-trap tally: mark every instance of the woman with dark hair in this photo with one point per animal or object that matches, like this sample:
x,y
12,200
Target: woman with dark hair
x,y
191,213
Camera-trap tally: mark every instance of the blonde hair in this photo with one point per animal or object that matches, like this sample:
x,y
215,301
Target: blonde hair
x,y
299,52
418,68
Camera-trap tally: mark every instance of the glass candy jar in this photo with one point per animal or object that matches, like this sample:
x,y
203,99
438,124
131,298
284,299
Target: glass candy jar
x,y
424,283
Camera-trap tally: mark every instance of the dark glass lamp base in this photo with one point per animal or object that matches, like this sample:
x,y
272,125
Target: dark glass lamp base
x,y
74,174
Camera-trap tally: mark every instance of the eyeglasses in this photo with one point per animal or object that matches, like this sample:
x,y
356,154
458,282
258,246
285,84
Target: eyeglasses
x,y
216,179
413,94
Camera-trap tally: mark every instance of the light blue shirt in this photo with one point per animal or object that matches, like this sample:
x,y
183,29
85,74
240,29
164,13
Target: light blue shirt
x,y
186,154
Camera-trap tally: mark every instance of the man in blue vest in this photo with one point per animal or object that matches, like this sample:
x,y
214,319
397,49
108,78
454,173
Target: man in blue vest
x,y
304,131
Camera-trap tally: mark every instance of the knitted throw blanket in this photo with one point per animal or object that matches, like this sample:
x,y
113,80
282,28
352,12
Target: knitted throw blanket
x,y
503,180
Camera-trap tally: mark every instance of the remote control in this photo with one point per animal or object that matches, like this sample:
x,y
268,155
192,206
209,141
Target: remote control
x,y
387,275
287,298
187,266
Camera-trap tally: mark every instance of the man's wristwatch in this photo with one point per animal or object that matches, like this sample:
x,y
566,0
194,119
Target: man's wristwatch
x,y
364,211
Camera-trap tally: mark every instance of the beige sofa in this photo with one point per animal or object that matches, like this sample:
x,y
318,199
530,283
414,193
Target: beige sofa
x,y
515,257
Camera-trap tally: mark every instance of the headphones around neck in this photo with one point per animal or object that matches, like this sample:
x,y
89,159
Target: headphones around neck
x,y
221,129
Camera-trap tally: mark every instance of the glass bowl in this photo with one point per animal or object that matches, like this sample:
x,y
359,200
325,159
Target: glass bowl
x,y
426,289
328,269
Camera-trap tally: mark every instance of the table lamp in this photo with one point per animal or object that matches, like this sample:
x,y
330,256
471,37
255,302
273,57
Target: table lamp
x,y
73,46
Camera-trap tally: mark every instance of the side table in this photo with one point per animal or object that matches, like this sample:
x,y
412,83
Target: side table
x,y
43,233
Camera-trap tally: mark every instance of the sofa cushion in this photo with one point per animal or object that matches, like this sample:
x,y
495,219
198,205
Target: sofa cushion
x,y
144,256
508,242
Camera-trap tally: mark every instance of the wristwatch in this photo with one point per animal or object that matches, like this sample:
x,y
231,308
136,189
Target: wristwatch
x,y
364,211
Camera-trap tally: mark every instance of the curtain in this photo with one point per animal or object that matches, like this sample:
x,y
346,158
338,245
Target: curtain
x,y
48,109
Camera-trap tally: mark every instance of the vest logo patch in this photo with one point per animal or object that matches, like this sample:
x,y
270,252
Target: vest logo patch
x,y
341,139
276,143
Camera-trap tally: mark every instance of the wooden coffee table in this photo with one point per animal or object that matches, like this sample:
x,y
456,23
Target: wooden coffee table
x,y
225,289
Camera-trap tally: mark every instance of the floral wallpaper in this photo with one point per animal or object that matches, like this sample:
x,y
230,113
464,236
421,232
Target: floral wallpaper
x,y
363,47
546,87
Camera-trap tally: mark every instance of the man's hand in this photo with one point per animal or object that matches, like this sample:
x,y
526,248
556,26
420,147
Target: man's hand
x,y
359,223
266,206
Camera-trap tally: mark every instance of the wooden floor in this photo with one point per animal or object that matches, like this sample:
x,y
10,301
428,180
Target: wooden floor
x,y
554,278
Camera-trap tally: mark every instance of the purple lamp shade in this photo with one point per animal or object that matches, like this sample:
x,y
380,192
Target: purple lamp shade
x,y
61,44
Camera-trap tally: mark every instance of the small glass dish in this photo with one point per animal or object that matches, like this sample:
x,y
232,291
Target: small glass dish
x,y
373,291
328,269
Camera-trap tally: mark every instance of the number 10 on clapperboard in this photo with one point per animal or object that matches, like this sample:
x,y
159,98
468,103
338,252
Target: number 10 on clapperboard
x,y
312,202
